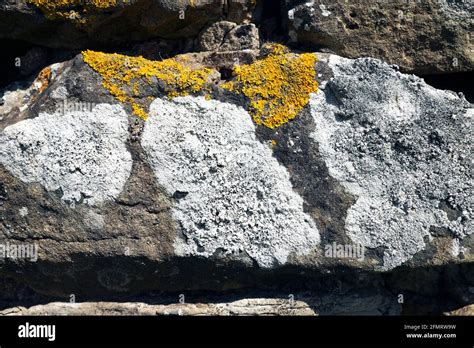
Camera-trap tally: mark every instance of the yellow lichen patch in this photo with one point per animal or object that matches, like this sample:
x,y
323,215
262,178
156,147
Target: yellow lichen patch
x,y
42,80
122,75
184,3
277,86
71,9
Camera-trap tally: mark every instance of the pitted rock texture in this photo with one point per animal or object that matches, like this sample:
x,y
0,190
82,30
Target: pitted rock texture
x,y
245,307
465,311
118,23
233,196
202,157
430,36
81,154
403,149
227,36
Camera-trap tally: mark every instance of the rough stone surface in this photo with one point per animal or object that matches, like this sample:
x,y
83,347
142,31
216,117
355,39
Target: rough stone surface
x,y
370,135
125,22
233,196
228,36
246,307
242,37
464,311
422,36
81,154
403,148
211,38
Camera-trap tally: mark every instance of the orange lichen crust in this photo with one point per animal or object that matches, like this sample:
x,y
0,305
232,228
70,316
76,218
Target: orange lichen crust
x,y
278,86
43,78
73,9
122,76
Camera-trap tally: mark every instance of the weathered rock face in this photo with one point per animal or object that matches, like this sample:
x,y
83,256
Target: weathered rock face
x,y
228,36
402,148
233,197
420,36
468,310
79,154
198,197
71,24
247,307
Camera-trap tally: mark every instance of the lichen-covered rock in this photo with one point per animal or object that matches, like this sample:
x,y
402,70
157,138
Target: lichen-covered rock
x,y
432,36
246,307
78,24
233,197
402,148
77,153
202,196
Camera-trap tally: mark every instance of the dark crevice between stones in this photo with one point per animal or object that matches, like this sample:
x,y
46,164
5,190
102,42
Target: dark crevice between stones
x,y
12,49
271,19
227,74
21,62
457,82
343,290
